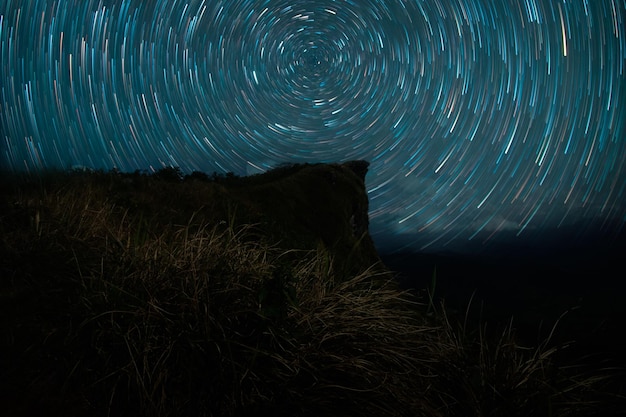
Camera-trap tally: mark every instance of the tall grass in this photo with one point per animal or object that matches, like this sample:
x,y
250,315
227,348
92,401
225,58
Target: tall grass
x,y
109,312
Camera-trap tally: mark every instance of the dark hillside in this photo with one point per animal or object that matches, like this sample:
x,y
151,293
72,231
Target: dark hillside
x,y
296,206
194,295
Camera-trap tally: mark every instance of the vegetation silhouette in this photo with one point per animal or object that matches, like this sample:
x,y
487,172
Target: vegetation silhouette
x,y
176,295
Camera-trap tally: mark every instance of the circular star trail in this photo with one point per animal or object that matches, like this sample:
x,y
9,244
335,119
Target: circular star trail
x,y
478,117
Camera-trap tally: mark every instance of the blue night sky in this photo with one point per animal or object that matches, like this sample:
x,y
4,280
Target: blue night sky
x,y
480,118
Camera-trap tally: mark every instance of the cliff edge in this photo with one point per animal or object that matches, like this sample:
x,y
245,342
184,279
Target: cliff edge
x,y
303,206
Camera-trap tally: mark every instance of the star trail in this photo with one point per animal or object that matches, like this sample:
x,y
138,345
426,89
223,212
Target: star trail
x,y
479,117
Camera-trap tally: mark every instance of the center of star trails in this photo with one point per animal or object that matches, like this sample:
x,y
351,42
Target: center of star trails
x,y
313,63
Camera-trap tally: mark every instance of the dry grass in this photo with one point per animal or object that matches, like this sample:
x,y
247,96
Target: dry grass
x,y
110,315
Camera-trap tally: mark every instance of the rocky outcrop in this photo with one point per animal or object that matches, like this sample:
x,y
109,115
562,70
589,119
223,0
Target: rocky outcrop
x,y
311,204
294,206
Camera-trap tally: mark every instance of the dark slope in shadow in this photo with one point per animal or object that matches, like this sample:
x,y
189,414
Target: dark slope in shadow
x,y
575,284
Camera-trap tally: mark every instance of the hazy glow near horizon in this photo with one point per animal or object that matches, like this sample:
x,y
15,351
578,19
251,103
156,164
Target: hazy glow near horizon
x,y
477,116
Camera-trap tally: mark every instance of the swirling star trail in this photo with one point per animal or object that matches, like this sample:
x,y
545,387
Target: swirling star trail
x,y
477,116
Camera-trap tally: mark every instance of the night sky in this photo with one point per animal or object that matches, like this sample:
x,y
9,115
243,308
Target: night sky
x,y
481,119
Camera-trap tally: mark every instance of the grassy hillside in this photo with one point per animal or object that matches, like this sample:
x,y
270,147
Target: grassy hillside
x,y
165,295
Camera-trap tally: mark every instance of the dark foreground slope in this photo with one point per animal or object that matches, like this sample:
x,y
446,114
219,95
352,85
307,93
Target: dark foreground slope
x,y
575,294
165,295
